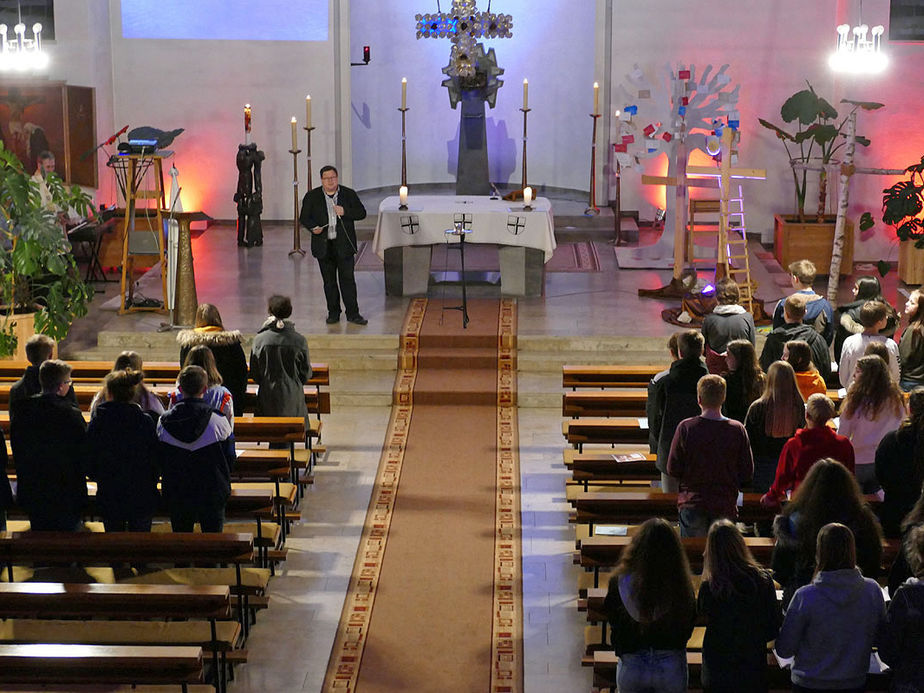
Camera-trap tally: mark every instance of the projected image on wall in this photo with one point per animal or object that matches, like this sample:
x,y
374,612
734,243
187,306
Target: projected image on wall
x,y
229,20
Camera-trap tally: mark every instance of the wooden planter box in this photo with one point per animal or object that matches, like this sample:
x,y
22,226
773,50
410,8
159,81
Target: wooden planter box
x,y
794,240
910,263
23,328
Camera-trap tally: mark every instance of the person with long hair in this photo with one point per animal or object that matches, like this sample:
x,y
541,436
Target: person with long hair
x,y
901,566
727,322
900,466
743,377
911,344
651,609
737,599
832,624
122,443
144,398
771,420
217,395
847,316
873,407
902,642
226,348
799,355
829,493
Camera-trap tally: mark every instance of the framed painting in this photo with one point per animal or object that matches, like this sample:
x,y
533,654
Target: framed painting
x,y
53,116
906,20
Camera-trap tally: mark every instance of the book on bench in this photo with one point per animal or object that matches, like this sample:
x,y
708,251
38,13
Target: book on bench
x,y
630,457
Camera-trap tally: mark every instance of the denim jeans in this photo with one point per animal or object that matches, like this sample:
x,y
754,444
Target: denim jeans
x,y
866,477
694,522
652,671
669,484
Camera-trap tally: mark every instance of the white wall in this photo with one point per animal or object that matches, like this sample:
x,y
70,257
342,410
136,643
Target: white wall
x,y
552,46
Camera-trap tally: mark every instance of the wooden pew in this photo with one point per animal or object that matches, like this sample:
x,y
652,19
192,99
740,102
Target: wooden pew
x,y
601,376
100,664
607,431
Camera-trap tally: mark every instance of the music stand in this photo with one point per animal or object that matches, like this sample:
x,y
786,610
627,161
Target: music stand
x,y
460,231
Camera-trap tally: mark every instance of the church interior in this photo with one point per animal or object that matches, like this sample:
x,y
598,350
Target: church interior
x,y
434,549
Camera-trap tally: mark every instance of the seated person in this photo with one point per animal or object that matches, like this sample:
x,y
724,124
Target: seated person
x,y
874,315
196,453
39,348
711,457
799,355
45,165
48,436
818,312
794,328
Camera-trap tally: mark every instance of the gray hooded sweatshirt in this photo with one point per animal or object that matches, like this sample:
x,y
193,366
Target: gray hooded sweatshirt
x,y
830,629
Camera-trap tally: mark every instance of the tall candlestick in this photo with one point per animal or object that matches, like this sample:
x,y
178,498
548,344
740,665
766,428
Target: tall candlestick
x,y
525,93
596,98
248,115
404,92
308,111
294,136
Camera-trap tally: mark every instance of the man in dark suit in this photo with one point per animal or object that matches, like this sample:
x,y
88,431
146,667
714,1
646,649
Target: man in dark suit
x,y
329,212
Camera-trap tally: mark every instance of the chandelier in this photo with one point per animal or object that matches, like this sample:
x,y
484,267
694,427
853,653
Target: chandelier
x,y
859,50
21,54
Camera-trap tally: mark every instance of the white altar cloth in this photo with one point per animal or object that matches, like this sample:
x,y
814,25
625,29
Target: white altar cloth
x,y
492,221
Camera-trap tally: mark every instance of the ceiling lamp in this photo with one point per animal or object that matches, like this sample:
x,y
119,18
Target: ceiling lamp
x,y
859,50
21,54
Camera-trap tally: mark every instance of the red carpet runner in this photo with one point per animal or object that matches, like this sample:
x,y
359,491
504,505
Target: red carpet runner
x,y
435,601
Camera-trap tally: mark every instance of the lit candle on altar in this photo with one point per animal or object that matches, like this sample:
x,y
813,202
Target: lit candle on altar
x,y
527,196
525,93
596,98
308,111
294,135
248,114
404,92
402,195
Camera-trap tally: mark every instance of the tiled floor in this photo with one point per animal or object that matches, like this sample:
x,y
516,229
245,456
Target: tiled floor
x,y
289,646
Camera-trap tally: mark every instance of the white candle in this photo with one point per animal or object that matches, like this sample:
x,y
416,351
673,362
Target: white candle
x,y
294,135
525,93
527,196
402,194
308,111
404,92
596,98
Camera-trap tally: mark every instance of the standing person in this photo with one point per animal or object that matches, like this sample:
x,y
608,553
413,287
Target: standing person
x,y
902,644
122,446
711,459
911,345
873,407
329,212
651,609
6,492
773,419
847,315
673,399
728,321
744,379
737,598
653,385
900,466
832,624
809,445
818,313
874,315
39,348
144,398
196,455
49,436
799,355
279,363
217,395
226,348
793,328
829,493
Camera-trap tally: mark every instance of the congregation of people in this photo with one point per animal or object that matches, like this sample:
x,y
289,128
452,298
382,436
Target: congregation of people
x,y
724,421
147,455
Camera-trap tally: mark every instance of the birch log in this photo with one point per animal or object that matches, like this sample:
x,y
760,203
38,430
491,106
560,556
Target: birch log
x,y
840,225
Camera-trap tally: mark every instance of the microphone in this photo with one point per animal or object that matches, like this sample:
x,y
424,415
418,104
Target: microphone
x,y
116,136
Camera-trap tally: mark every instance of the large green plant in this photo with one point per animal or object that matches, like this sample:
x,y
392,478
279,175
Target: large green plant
x,y
37,269
903,205
818,137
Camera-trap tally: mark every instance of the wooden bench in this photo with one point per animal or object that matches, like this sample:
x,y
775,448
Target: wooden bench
x,y
605,431
601,376
100,664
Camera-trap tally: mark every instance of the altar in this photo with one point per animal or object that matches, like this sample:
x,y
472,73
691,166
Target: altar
x,y
404,239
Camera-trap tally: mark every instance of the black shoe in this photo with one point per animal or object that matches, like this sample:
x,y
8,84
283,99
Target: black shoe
x,y
333,319
358,320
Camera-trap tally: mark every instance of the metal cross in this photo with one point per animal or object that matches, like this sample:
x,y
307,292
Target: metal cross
x,y
463,25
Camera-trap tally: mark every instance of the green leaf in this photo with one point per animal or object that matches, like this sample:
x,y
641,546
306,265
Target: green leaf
x,y
822,134
825,110
802,106
862,140
866,221
883,267
865,105
782,134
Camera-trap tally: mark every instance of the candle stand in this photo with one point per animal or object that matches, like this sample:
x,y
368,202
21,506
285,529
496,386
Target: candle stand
x,y
524,111
592,209
296,235
404,110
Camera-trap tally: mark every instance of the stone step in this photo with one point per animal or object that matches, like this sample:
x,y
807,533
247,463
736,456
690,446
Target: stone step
x,y
457,358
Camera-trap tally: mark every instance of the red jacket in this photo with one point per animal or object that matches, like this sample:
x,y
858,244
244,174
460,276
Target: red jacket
x,y
802,451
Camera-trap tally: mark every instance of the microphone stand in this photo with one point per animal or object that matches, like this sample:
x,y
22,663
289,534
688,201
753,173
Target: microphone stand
x,y
461,232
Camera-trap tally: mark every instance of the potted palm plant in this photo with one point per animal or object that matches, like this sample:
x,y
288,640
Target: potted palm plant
x,y
39,281
903,208
819,135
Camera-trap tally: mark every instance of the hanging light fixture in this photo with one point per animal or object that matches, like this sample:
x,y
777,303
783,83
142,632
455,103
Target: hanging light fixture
x,y
859,50
21,54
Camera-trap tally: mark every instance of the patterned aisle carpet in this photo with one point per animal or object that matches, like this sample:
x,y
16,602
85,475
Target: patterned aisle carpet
x,y
435,598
